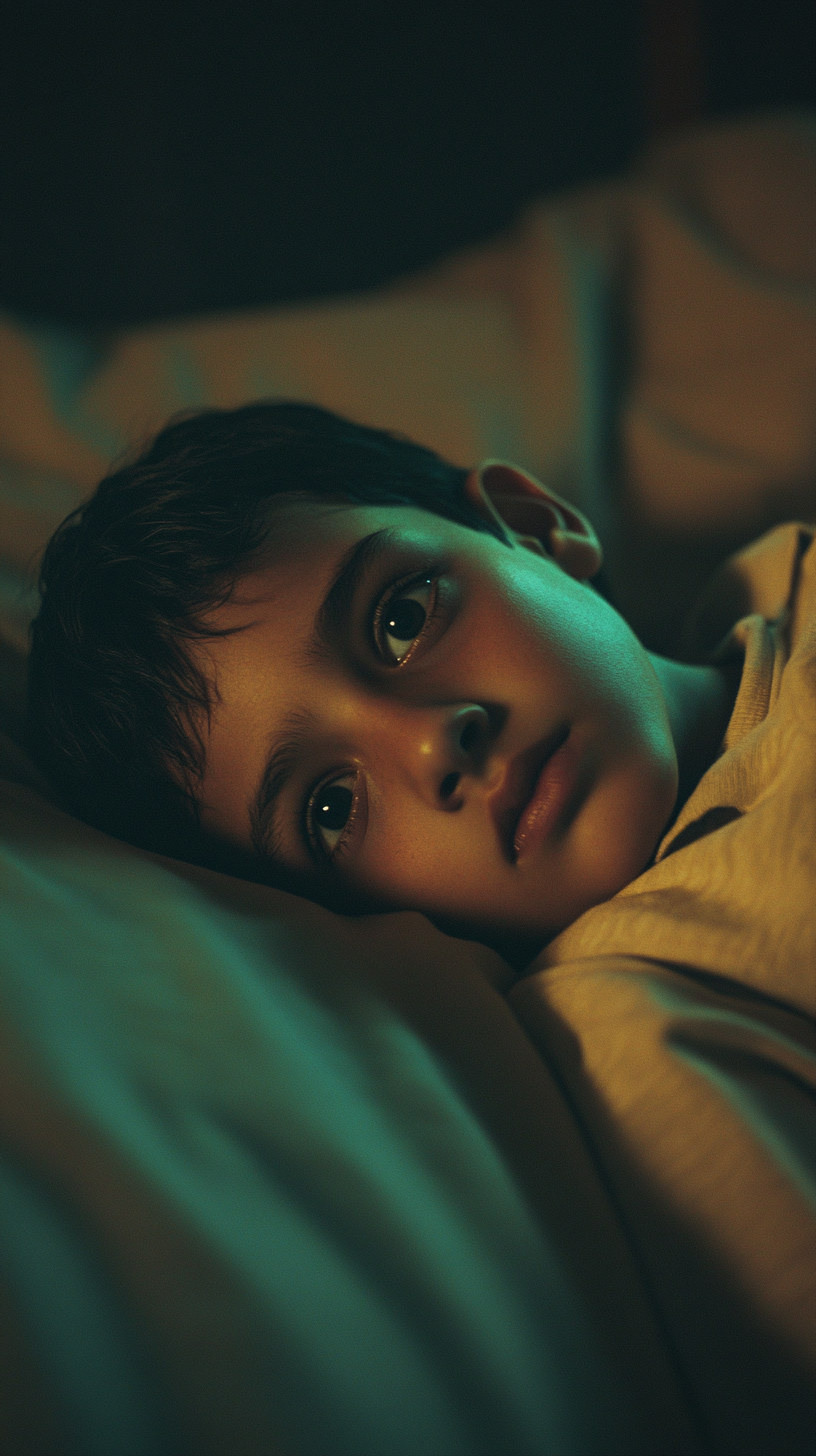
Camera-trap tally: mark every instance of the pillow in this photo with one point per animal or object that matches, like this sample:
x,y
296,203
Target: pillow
x,y
295,1179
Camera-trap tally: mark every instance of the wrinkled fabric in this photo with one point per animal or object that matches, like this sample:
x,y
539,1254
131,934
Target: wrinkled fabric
x,y
680,1016
262,1189
244,1211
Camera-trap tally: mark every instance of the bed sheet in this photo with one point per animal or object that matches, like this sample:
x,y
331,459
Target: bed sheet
x,y
294,1182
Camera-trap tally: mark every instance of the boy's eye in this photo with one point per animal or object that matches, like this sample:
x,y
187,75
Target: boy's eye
x,y
400,619
329,811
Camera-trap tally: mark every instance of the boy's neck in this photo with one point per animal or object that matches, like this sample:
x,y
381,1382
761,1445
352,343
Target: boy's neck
x,y
700,701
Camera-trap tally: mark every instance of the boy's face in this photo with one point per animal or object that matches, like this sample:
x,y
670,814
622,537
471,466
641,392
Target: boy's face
x,y
460,727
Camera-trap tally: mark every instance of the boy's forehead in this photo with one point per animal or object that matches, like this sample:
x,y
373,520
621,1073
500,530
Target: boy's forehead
x,y
307,535
304,524
308,541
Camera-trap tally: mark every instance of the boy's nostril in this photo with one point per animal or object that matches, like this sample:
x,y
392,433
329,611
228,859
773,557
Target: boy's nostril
x,y
449,784
470,733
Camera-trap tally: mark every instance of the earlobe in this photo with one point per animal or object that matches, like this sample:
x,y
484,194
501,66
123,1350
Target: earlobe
x,y
535,517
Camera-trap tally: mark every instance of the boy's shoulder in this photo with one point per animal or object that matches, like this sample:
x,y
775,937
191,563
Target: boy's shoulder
x,y
773,575
733,881
678,1014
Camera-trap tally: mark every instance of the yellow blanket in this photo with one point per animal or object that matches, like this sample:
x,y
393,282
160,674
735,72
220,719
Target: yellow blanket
x,y
680,1014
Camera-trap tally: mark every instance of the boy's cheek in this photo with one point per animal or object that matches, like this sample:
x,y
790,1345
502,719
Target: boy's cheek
x,y
631,809
451,866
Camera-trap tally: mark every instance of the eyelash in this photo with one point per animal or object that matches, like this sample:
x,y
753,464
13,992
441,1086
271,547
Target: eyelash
x,y
404,584
318,849
392,593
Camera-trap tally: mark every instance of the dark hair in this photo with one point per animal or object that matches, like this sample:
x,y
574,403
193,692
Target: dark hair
x,y
116,701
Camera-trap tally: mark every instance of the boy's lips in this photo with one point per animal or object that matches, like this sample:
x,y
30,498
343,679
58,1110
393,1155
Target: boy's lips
x,y
510,806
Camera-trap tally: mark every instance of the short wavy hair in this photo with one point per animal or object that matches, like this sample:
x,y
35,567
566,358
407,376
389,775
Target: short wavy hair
x,y
117,703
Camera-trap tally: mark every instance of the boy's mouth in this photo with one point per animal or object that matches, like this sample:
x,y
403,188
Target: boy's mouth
x,y
508,803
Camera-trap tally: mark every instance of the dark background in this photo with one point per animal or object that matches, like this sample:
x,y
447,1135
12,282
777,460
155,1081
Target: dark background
x,y
163,159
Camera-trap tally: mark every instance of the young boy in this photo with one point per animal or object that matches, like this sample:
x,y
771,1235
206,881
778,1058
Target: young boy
x,y
314,653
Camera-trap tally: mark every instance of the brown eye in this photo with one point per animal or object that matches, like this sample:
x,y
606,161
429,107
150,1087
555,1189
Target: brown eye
x,y
401,619
330,810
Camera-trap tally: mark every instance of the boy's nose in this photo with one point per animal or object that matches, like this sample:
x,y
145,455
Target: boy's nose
x,y
444,746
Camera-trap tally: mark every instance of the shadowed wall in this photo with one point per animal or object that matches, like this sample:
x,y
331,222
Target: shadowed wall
x,y
158,160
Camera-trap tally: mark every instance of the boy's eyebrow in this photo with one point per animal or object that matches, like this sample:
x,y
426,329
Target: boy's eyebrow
x,y
280,761
288,743
338,600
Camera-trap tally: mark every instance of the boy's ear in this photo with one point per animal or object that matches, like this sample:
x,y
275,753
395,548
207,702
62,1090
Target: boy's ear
x,y
535,517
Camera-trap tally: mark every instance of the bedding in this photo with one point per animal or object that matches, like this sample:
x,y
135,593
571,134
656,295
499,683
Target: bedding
x,y
690,1002
302,1182
287,1139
